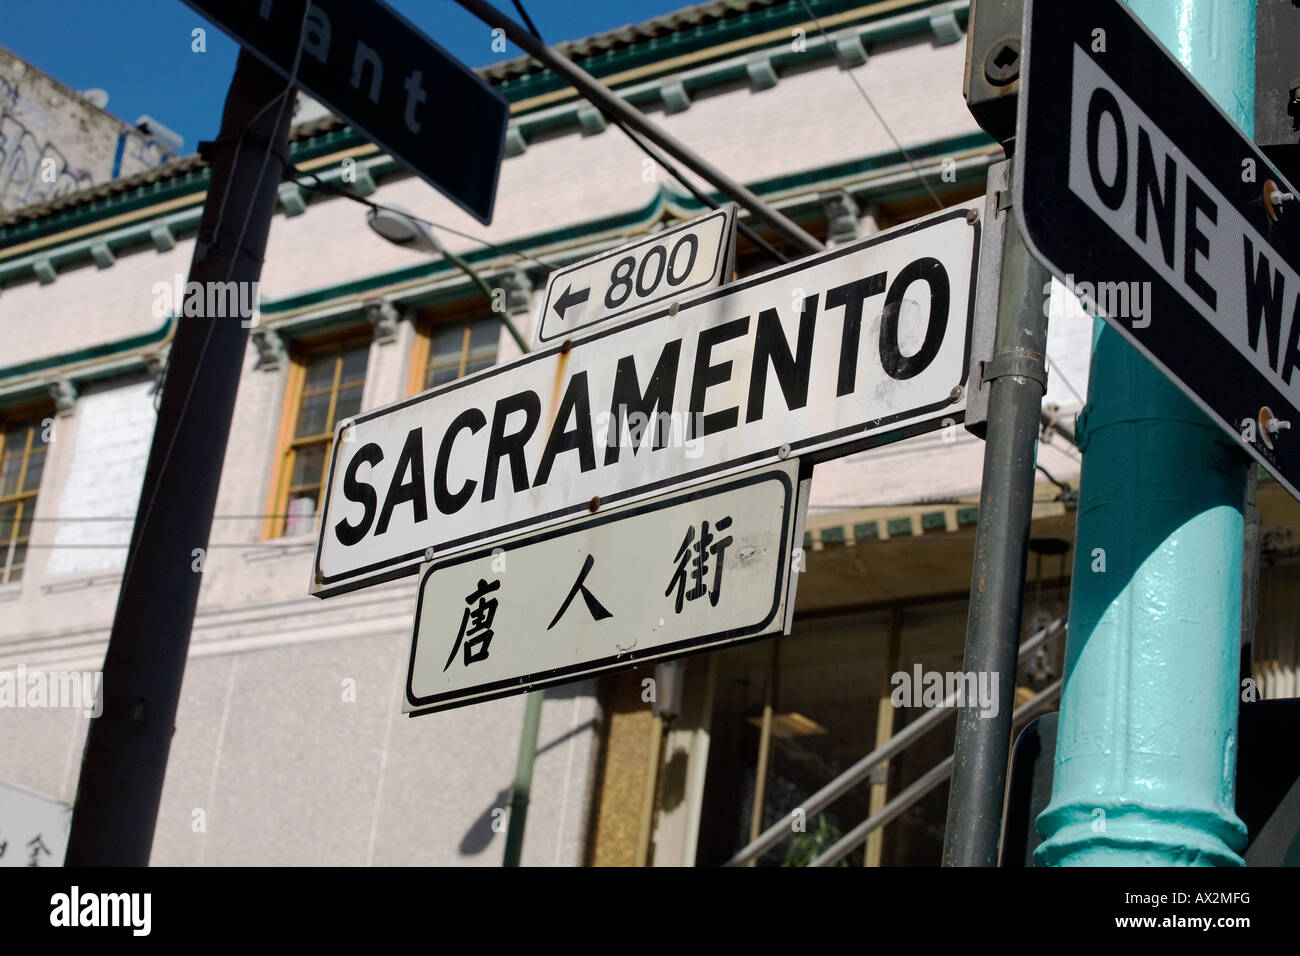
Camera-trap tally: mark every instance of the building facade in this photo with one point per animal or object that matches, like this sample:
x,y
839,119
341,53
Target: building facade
x,y
290,747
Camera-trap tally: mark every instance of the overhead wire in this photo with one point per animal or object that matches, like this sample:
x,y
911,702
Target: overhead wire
x,y
332,189
872,106
663,162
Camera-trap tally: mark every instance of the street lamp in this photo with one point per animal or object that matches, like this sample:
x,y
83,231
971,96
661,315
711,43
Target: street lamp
x,y
404,230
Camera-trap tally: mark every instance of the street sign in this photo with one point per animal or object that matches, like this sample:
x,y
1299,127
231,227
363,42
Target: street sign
x,y
697,255
1147,200
861,345
33,829
682,573
367,63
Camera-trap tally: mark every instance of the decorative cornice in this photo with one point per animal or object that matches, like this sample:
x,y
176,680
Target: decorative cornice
x,y
842,214
64,395
383,317
271,350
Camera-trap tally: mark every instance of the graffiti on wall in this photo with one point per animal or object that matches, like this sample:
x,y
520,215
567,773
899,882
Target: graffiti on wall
x,y
34,169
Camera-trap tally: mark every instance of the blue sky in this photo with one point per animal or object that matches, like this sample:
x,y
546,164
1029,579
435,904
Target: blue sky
x,y
139,50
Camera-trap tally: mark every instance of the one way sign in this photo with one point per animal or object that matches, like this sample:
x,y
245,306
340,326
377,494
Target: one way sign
x,y
1140,193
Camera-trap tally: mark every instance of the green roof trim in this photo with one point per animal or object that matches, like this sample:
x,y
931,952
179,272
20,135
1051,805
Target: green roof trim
x,y
933,521
899,527
703,36
105,350
647,214
898,23
812,178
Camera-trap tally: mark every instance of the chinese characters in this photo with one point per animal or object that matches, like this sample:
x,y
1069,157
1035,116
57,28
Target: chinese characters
x,y
693,564
476,624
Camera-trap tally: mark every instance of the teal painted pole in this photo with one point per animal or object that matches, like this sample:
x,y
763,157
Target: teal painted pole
x,y
1146,749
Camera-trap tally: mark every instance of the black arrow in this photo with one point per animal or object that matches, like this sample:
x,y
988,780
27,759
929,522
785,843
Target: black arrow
x,y
568,298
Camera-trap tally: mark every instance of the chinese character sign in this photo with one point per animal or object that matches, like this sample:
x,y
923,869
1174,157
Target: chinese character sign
x,y
642,583
33,829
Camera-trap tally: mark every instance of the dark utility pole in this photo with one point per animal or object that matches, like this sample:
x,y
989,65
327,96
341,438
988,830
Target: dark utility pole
x,y
125,760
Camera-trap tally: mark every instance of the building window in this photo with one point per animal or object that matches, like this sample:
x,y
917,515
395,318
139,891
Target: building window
x,y
453,349
325,387
22,460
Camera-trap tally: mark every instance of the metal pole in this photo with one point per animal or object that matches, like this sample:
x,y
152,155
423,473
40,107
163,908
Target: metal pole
x,y
486,289
523,786
885,711
125,758
1145,761
764,750
600,95
519,793
1017,381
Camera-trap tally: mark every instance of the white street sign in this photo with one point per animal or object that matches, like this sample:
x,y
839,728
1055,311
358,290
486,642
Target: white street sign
x,y
682,573
672,264
862,345
33,829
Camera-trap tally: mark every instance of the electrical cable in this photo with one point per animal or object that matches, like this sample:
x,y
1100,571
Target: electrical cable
x,y
331,189
906,155
672,171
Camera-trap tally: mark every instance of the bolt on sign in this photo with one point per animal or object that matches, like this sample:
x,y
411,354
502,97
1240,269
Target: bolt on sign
x,y
700,254
682,573
370,65
1140,193
858,346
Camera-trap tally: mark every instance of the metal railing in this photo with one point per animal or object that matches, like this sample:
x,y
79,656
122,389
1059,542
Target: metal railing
x,y
846,781
921,786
